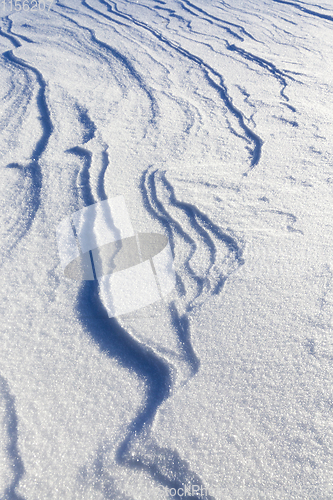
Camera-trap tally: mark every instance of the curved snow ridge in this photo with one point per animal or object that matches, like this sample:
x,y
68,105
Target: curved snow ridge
x,y
184,223
138,359
88,126
17,95
32,170
138,450
131,354
268,66
326,17
88,156
43,109
211,254
115,340
21,183
83,178
101,178
213,77
96,11
210,16
9,440
125,63
214,253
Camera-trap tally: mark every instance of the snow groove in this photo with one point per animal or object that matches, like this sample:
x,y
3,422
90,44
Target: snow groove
x,y
116,341
33,170
83,180
212,255
210,16
268,66
127,65
304,9
120,345
167,104
10,425
213,77
223,252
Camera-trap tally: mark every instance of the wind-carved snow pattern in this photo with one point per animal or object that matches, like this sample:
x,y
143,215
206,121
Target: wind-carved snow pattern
x,y
224,255
212,254
149,100
139,450
19,100
11,465
214,78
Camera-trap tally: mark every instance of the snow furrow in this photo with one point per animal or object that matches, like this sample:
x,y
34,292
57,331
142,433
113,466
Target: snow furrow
x,y
214,78
223,252
225,383
313,13
9,441
241,28
279,75
32,171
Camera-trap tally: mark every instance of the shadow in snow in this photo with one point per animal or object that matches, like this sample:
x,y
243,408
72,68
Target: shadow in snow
x,y
11,424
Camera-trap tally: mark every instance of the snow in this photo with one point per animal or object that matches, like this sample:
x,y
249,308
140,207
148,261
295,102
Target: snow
x,y
213,122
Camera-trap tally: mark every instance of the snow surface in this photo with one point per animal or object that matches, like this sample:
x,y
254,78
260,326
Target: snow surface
x,y
214,121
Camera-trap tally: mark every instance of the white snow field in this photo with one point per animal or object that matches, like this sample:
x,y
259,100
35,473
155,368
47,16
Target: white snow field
x,y
213,120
